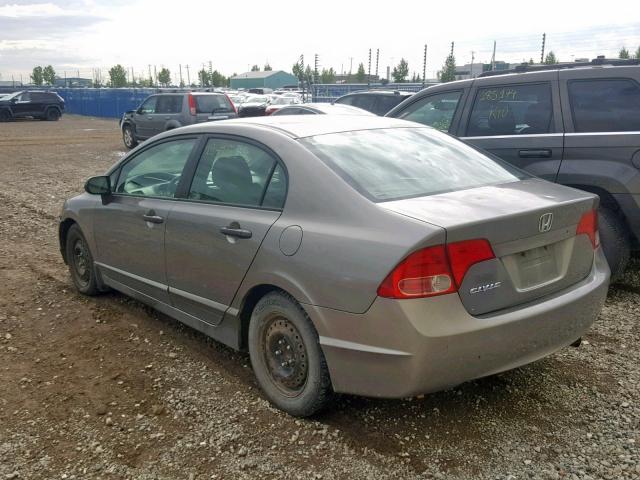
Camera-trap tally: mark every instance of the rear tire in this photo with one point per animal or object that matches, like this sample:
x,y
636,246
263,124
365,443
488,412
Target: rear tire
x,y
80,262
615,240
5,115
52,115
128,137
286,356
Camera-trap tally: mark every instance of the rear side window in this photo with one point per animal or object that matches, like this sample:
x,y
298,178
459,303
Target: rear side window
x,y
611,105
511,110
387,102
391,164
169,104
365,102
435,111
212,104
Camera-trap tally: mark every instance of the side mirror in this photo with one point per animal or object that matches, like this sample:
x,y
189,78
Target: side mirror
x,y
100,185
139,111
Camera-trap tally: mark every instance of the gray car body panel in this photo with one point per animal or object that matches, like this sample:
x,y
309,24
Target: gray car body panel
x,y
330,248
599,162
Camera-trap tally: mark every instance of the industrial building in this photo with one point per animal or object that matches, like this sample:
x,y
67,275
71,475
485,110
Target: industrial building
x,y
269,79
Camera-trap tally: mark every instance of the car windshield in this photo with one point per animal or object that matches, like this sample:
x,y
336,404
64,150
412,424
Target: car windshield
x,y
11,95
397,163
257,99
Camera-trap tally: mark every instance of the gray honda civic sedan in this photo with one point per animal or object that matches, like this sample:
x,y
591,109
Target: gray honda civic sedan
x,y
364,255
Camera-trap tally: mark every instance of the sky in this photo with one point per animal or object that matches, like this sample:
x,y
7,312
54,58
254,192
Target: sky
x,y
78,36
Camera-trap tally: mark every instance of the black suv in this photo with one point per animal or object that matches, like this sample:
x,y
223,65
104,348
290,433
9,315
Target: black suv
x,y
374,101
577,124
31,103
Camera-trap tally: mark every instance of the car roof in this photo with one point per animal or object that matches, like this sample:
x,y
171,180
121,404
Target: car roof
x,y
300,126
379,92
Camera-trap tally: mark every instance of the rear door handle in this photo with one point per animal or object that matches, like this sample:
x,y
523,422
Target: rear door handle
x,y
151,216
236,232
542,153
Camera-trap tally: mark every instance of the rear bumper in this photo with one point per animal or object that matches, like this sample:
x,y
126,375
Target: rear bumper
x,y
405,348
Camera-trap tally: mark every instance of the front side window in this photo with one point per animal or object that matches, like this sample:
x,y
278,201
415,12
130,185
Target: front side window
x,y
395,163
169,104
511,110
232,172
435,111
365,102
25,97
611,105
148,106
156,171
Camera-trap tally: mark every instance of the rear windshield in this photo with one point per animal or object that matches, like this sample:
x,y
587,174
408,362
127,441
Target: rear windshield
x,y
391,164
211,103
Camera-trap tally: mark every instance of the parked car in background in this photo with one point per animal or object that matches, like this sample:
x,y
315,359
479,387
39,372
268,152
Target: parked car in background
x,y
577,124
374,101
354,254
320,109
260,91
280,102
166,111
254,106
31,103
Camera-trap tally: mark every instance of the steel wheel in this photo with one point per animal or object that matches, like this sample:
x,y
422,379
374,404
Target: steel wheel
x,y
81,262
285,356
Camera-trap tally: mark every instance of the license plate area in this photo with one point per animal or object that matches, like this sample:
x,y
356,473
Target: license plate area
x,y
535,267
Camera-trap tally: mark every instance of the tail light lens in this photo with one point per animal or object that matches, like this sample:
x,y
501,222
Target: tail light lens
x,y
231,103
192,104
434,270
589,226
269,110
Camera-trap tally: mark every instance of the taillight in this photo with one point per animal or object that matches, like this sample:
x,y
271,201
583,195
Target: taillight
x,y
231,103
192,104
422,274
589,226
434,270
269,111
463,255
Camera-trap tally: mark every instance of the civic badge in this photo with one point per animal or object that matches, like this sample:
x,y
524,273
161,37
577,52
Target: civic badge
x,y
545,223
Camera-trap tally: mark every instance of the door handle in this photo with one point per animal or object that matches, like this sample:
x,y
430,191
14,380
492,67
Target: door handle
x,y
233,231
541,153
151,216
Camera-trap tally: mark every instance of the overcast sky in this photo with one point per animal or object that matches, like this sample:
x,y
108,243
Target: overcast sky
x,y
85,34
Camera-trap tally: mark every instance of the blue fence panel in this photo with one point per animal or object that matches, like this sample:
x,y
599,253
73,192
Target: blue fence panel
x,y
103,102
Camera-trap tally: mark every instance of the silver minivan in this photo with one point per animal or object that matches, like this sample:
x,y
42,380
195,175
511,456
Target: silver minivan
x,y
166,111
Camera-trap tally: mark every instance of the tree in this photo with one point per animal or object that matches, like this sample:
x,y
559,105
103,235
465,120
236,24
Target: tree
x,y
298,71
37,76
218,80
164,77
637,55
255,68
401,71
550,59
361,74
328,76
448,72
623,53
267,67
118,76
308,75
203,78
49,75
531,61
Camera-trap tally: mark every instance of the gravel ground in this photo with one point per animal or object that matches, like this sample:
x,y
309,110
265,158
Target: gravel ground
x,y
107,388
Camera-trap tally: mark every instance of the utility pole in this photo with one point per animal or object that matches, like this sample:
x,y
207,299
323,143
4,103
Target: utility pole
x,y
180,68
150,77
377,59
544,38
188,76
315,69
452,44
350,65
155,75
369,71
472,59
424,66
493,57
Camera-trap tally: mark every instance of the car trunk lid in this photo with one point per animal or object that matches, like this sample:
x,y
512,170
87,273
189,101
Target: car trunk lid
x,y
531,226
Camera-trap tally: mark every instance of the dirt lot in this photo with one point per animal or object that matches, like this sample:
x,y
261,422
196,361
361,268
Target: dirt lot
x,y
107,388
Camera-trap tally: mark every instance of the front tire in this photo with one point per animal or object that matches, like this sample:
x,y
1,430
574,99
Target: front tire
x,y
128,137
616,241
80,262
286,356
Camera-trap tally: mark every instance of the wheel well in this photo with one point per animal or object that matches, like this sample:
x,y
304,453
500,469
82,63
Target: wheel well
x,y
63,229
250,300
606,199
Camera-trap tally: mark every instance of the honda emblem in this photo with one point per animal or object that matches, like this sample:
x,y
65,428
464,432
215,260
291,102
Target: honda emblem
x,y
546,220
